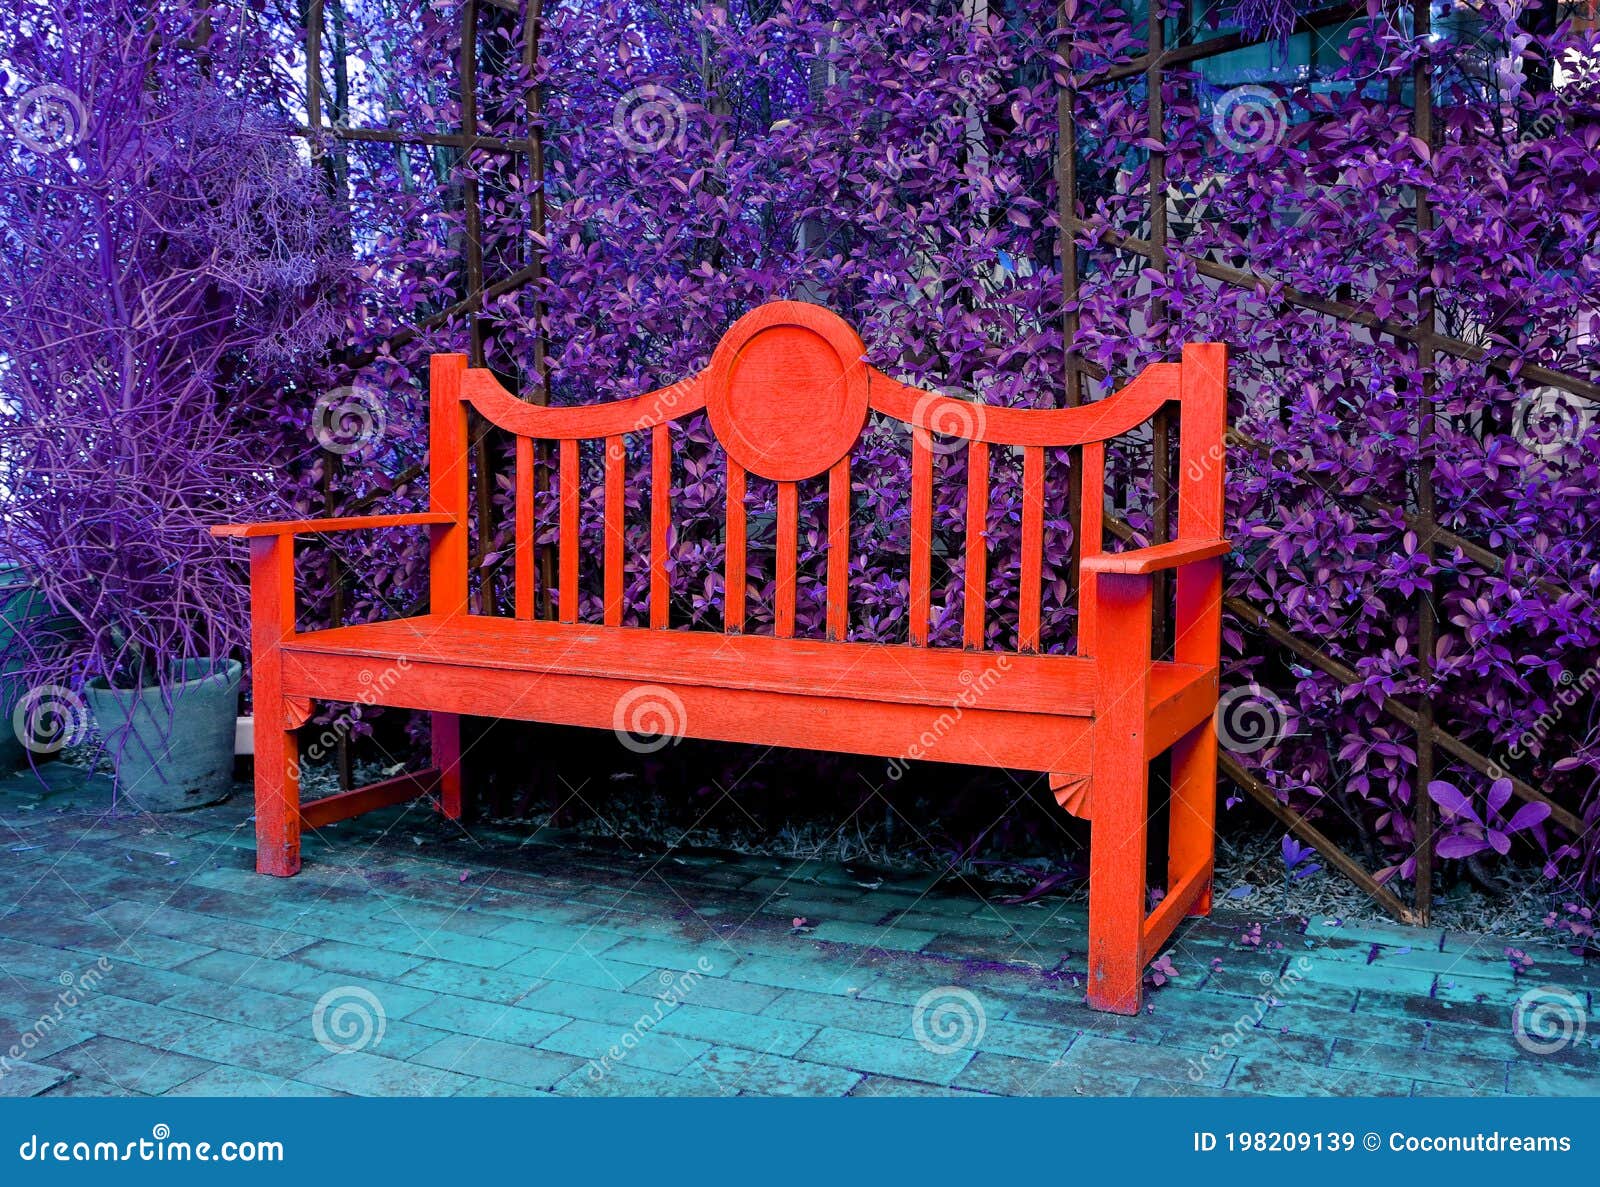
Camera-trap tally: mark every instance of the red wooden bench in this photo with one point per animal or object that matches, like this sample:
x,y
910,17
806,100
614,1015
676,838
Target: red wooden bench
x,y
788,395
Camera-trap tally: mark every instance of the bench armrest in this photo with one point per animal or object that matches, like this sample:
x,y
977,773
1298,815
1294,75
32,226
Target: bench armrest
x,y
1156,558
294,527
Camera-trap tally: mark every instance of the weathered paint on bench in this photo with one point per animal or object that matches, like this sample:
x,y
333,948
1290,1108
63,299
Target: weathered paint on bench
x,y
788,393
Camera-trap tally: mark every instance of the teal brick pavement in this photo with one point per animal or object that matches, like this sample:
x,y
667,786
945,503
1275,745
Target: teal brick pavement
x,y
143,956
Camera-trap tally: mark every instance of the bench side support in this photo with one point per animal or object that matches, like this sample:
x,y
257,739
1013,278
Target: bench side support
x,y
1119,825
447,557
277,751
1198,634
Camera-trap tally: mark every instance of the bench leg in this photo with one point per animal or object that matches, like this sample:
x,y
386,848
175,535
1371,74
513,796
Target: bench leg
x,y
1192,836
447,757
1119,819
277,789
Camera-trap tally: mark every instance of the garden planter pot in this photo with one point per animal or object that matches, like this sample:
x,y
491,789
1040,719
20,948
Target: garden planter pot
x,y
172,755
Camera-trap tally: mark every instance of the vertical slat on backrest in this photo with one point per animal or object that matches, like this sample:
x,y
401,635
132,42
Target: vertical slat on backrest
x,y
568,590
1202,461
522,532
733,574
977,567
1031,578
788,529
839,549
616,512
1091,537
660,522
447,483
921,535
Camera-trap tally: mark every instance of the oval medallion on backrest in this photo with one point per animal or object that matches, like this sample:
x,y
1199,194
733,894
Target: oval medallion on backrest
x,y
787,390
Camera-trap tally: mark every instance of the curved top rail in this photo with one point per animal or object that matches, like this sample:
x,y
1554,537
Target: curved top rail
x,y
950,417
484,392
788,392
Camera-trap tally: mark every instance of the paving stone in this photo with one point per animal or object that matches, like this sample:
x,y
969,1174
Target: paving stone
x,y
471,950
253,972
1394,934
555,956
397,1000
488,1020
132,1067
28,1079
822,975
1543,954
86,1086
136,1022
723,993
1006,1075
1045,1043
1334,1024
1458,987
590,1080
592,1005
251,1049
556,936
728,1028
1389,977
34,1045
706,960
651,1051
366,1073
201,930
250,1007
335,957
826,1009
1419,1064
493,1060
905,1059
576,967
872,935
1536,1078
1432,1010
149,985
725,1071
464,980
890,1086
1274,1077
1146,1060
242,1081
1433,1088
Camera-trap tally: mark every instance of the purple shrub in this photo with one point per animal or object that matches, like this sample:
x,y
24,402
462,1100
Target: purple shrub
x,y
169,258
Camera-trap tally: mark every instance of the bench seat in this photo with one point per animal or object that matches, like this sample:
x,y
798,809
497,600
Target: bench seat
x,y
1028,712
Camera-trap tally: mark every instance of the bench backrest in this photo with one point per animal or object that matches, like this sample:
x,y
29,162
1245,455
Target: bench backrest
x,y
788,393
